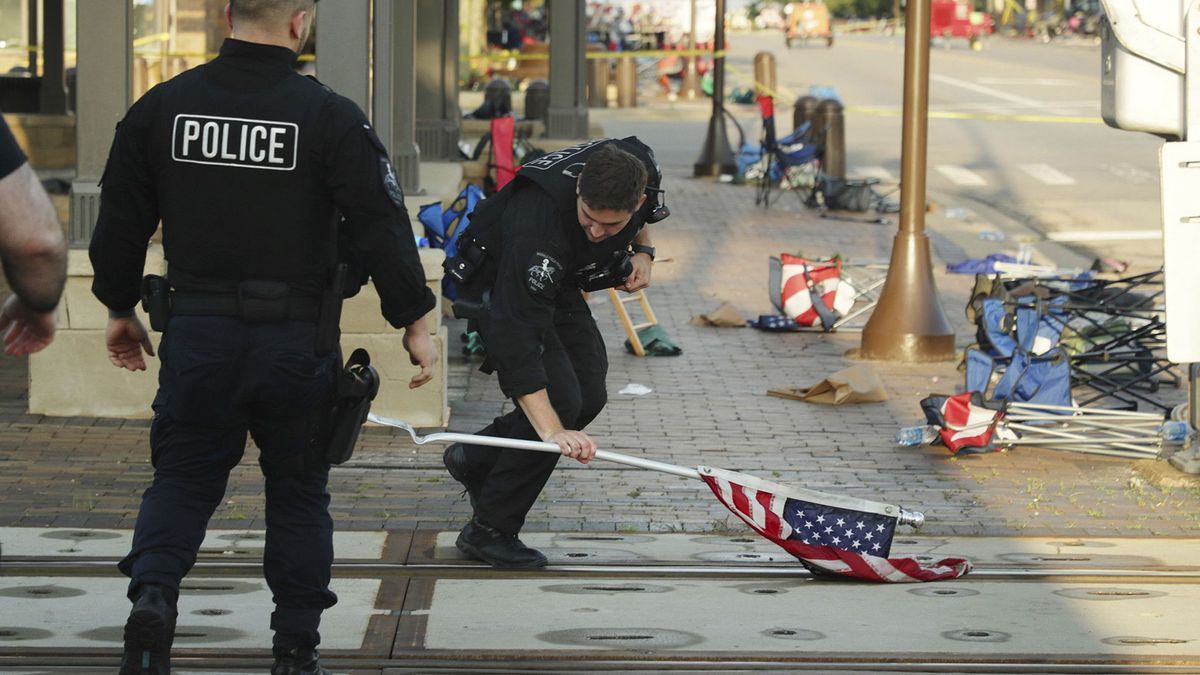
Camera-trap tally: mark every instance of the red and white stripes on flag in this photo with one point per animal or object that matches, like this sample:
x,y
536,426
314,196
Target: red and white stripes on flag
x,y
966,424
826,278
827,533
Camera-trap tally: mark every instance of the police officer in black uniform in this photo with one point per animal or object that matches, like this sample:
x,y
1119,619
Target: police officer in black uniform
x,y
247,164
570,221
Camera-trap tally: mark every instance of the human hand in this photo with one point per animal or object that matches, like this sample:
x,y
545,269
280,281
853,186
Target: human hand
x,y
639,278
126,337
25,331
421,352
574,444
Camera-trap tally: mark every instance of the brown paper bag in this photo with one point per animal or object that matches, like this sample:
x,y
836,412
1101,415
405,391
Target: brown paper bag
x,y
856,384
725,316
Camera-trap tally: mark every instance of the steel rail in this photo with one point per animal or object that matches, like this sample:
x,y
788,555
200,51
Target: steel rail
x,y
40,566
584,660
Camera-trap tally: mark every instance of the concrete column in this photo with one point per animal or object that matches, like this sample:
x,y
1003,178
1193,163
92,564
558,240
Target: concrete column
x,y
104,82
395,87
568,114
343,49
438,126
53,94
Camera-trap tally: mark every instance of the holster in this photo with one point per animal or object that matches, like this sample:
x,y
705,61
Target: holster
x,y
156,301
357,384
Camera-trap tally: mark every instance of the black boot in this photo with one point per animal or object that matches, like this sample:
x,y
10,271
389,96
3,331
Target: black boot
x,y
502,551
455,459
297,661
149,632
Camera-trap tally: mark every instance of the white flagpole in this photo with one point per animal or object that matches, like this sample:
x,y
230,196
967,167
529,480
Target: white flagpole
x,y
914,518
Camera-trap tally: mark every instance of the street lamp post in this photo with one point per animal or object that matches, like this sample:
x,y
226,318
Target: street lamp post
x,y
909,324
717,158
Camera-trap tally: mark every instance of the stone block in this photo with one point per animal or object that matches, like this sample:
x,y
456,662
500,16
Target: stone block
x,y
360,314
79,309
74,378
424,406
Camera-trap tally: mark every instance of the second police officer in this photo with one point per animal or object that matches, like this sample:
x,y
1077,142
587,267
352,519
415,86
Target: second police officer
x,y
247,165
572,220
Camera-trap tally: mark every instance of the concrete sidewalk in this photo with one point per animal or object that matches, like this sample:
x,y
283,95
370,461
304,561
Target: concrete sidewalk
x,y
707,406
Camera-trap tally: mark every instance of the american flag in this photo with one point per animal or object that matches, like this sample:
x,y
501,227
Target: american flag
x,y
827,533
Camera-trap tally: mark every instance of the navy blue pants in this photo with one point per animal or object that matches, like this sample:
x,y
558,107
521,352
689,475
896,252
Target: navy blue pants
x,y
576,365
222,378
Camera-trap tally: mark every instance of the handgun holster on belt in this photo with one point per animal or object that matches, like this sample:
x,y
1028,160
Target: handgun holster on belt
x,y
357,385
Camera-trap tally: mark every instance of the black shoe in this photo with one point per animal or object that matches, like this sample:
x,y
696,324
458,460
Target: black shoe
x,y
502,551
149,632
455,459
297,661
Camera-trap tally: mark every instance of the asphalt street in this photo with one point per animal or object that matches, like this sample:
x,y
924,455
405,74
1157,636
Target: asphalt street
x,y
1015,135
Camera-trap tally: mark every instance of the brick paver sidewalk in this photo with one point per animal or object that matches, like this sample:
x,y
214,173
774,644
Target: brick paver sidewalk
x,y
708,406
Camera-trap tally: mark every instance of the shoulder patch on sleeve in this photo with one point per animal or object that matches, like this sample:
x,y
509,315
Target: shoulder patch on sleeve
x,y
391,183
543,274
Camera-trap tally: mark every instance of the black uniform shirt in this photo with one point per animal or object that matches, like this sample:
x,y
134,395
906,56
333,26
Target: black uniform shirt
x,y
11,156
247,163
542,247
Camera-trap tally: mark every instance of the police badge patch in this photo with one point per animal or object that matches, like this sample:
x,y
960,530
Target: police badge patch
x,y
391,183
543,275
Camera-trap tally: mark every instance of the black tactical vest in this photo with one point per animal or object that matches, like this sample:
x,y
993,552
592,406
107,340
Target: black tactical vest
x,y
236,156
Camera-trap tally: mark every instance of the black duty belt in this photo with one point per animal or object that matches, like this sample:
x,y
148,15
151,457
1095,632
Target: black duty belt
x,y
291,308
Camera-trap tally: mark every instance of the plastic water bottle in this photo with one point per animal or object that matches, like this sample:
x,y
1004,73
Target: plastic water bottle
x,y
918,435
1174,432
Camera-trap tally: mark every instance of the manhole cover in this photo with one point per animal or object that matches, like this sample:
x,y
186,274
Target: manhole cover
x,y
622,638
212,612
1133,641
800,634
604,538
187,634
600,588
943,592
1100,593
240,536
1077,557
976,635
769,589
576,555
48,592
22,633
743,557
219,587
74,535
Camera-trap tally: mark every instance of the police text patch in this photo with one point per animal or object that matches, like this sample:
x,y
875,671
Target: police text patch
x,y
543,275
233,141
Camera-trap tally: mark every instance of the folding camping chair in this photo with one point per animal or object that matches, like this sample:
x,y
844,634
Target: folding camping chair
x,y
1113,340
825,295
786,160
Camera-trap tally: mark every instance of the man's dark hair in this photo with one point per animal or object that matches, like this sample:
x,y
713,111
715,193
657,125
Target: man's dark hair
x,y
257,10
612,180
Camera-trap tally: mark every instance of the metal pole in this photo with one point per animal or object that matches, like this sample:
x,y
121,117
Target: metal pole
x,y
906,517
909,323
717,158
35,40
690,88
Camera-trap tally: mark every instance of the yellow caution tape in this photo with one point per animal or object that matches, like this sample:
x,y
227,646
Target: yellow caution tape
x,y
995,117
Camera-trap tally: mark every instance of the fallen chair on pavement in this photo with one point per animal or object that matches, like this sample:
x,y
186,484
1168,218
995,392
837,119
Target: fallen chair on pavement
x,y
825,294
965,423
1111,333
